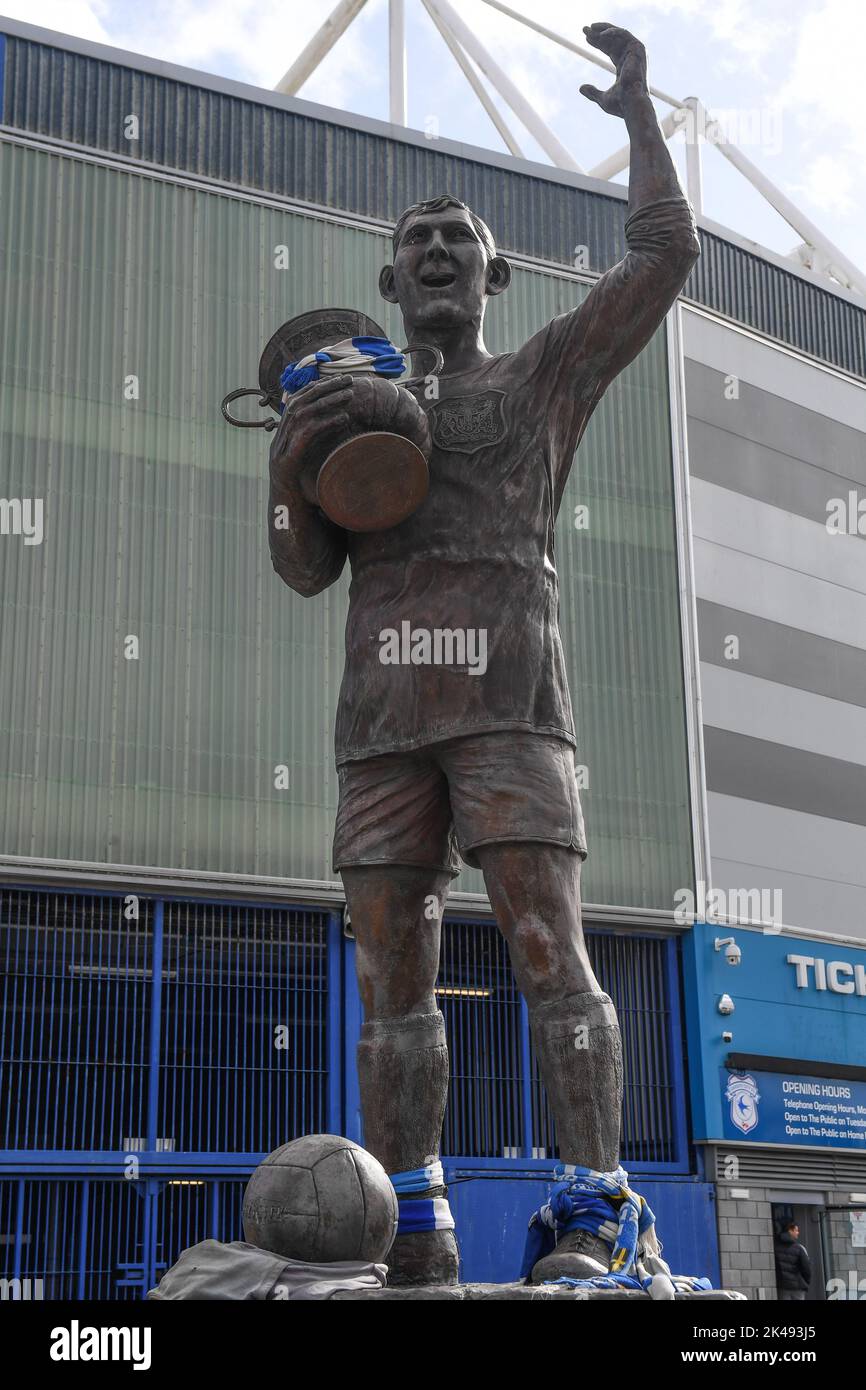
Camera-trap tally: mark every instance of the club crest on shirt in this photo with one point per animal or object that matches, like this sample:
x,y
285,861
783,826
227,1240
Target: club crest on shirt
x,y
465,424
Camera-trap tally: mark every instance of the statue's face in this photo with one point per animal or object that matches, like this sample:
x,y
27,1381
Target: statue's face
x,y
440,274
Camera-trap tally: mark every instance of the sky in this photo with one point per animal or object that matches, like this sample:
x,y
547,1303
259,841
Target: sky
x,y
786,76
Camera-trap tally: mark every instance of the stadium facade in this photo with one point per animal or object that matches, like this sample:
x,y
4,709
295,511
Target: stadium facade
x,y
179,992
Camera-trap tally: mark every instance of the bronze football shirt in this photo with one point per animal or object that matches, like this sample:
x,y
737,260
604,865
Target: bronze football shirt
x,y
478,555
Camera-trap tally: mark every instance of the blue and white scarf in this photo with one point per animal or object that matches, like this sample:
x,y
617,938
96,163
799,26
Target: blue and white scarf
x,y
355,356
421,1213
605,1205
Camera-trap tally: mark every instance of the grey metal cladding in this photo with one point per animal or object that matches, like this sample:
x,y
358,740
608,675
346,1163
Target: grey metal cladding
x,y
765,474
754,291
777,775
83,99
775,423
783,654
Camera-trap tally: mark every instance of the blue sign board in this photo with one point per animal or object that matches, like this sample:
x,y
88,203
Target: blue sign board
x,y
767,994
780,1108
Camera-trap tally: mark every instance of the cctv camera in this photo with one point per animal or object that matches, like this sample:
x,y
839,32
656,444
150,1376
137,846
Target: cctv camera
x,y
726,1004
733,954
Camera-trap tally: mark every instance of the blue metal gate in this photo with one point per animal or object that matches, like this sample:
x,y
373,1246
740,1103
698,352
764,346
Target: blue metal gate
x,y
154,1050
497,1108
86,1238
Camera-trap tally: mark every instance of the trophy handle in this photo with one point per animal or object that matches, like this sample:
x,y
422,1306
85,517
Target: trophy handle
x,y
425,347
247,424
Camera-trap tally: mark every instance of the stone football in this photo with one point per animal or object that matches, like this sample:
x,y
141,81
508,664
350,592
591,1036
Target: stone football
x,y
321,1199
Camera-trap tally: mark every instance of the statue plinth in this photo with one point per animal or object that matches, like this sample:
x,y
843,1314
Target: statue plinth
x,y
524,1293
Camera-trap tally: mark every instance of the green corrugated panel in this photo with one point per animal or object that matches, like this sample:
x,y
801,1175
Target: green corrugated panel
x,y
155,526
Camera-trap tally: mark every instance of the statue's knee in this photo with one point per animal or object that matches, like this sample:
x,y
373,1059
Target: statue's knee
x,y
550,961
392,988
535,947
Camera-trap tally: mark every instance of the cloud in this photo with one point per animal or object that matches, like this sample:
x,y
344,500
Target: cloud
x,y
824,86
742,34
827,183
83,18
821,95
247,39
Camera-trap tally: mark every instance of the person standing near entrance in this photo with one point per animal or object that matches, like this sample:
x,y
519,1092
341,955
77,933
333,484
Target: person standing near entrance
x,y
793,1266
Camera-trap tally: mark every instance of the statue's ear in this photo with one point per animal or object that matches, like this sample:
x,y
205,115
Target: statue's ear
x,y
498,275
386,284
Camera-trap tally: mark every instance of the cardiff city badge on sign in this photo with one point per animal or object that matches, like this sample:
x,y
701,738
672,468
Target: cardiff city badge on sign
x,y
743,1094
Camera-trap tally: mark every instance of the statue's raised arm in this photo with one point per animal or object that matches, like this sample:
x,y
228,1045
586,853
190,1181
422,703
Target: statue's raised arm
x,y
629,302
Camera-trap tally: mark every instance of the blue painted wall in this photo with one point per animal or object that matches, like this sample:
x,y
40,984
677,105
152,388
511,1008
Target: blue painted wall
x,y
492,1210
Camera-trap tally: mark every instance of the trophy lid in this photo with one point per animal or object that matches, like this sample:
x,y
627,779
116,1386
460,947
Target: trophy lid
x,y
308,333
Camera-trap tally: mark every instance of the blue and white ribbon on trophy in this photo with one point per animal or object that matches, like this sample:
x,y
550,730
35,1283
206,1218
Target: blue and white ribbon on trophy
x,y
357,356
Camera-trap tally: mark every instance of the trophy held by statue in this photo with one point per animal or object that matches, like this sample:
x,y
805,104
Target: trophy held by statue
x,y
371,473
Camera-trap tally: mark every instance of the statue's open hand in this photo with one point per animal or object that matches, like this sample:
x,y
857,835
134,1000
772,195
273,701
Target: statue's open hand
x,y
628,56
309,417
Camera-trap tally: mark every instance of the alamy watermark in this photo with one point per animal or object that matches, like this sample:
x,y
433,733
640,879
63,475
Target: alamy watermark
x,y
846,516
77,1343
741,125
762,906
462,648
852,1291
22,516
22,1290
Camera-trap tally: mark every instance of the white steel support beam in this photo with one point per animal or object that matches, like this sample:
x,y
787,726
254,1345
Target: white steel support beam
x,y
694,178
552,147
817,252
810,258
397,60
591,54
476,84
319,46
843,270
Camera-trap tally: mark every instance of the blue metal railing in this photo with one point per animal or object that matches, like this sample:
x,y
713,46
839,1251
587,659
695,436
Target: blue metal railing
x,y
246,1042
147,1064
75,1020
640,974
193,1027
479,999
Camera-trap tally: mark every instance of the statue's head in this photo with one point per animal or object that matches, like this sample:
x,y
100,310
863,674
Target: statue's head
x,y
445,265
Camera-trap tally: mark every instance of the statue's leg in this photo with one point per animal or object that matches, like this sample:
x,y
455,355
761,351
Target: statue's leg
x,y
534,889
396,914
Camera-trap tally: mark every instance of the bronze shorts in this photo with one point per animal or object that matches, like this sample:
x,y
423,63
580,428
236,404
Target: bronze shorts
x,y
423,806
